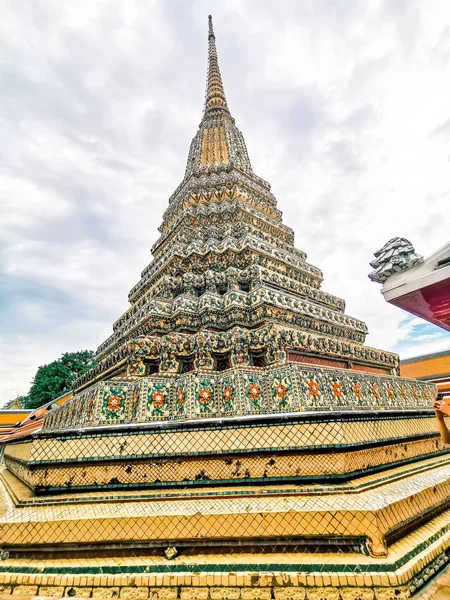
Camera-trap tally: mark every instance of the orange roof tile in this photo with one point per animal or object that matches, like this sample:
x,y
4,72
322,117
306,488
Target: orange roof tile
x,y
9,417
31,421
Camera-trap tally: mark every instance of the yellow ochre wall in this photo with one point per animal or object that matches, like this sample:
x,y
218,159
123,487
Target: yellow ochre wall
x,y
434,367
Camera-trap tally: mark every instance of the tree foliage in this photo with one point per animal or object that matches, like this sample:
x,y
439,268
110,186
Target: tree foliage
x,y
55,379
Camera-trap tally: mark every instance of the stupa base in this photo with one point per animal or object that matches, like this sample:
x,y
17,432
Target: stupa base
x,y
330,447
377,537
301,576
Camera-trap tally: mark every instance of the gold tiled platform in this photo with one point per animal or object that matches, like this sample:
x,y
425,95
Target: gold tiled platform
x,y
271,448
364,515
240,576
291,432
376,512
253,468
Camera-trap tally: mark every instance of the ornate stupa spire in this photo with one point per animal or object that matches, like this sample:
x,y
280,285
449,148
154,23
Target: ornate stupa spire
x,y
226,263
218,144
215,94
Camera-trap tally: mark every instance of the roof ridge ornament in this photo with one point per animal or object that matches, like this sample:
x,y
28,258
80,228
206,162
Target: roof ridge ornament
x,y
398,254
215,93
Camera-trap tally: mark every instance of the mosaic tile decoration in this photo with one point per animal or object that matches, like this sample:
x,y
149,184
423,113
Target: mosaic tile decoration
x,y
157,399
226,274
237,392
272,341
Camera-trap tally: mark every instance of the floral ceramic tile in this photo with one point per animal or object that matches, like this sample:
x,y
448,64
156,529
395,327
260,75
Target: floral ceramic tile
x,y
136,402
228,390
205,401
238,391
282,391
356,391
314,389
182,397
113,404
340,391
157,399
253,390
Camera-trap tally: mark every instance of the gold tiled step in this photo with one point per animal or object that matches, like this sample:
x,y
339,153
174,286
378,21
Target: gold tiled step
x,y
239,576
227,438
239,453
370,514
224,470
22,495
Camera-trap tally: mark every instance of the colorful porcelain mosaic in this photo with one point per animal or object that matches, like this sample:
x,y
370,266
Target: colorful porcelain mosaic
x,y
239,391
272,342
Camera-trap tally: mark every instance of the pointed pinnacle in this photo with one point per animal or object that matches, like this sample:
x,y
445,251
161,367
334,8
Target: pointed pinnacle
x,y
215,94
210,27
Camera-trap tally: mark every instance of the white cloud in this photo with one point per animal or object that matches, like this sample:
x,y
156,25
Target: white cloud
x,y
344,107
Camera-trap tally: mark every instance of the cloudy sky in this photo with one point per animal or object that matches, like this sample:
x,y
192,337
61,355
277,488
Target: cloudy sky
x,y
344,106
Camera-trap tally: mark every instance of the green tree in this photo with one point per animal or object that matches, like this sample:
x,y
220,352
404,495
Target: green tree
x,y
56,378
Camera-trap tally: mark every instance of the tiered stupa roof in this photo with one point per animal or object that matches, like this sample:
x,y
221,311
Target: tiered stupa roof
x,y
225,259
